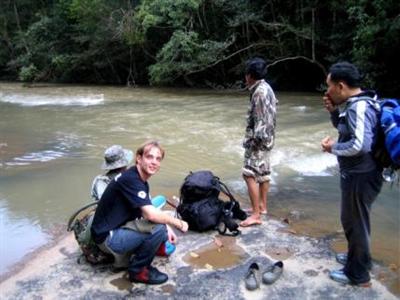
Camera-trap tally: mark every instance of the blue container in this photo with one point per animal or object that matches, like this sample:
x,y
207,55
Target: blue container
x,y
159,201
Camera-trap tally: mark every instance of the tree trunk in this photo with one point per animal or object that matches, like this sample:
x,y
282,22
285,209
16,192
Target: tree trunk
x,y
19,27
313,34
130,80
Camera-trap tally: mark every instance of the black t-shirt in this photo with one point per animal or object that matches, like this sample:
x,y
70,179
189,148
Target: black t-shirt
x,y
120,203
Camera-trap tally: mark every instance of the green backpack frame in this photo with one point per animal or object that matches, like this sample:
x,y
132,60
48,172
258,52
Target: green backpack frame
x,y
80,223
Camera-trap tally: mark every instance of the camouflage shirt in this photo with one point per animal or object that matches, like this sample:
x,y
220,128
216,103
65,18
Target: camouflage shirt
x,y
261,117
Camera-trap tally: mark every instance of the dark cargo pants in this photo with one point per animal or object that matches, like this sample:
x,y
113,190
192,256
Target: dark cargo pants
x,y
359,191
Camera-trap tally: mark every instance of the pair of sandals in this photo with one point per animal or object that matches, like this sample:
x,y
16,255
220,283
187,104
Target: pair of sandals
x,y
269,275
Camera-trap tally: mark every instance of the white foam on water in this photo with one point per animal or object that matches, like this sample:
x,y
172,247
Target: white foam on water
x,y
13,164
65,144
277,157
42,156
300,108
239,185
313,165
61,100
306,164
231,146
35,157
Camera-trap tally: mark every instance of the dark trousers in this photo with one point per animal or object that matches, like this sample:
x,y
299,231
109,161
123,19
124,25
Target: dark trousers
x,y
143,245
359,191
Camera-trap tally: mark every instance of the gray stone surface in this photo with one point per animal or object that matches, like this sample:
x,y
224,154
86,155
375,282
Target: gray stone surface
x,y
55,274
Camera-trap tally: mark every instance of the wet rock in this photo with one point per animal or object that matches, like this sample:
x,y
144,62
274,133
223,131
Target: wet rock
x,y
279,253
55,275
32,285
296,215
73,283
311,273
168,289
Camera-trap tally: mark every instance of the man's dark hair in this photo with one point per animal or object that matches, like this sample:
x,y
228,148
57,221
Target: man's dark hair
x,y
346,72
256,68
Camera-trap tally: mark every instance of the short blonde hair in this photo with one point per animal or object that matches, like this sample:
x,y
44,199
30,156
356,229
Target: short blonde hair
x,y
146,146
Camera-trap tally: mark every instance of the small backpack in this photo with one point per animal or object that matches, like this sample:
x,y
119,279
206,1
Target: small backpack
x,y
200,206
80,223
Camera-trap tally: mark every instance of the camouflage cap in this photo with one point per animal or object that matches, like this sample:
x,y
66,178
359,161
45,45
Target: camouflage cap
x,y
116,157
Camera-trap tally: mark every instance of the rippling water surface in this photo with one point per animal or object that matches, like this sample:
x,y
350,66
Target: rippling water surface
x,y
52,140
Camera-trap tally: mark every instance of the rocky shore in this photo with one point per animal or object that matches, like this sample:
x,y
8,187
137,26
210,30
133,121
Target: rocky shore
x,y
204,266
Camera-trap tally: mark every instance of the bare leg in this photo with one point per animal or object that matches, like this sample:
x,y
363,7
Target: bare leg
x,y
252,187
264,188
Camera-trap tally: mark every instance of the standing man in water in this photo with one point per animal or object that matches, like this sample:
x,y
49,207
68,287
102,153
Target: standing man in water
x,y
360,177
259,139
126,222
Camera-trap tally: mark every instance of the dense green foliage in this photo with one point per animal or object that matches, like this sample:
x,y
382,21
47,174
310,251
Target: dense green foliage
x,y
198,42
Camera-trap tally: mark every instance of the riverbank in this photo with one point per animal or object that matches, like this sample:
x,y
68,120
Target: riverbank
x,y
55,274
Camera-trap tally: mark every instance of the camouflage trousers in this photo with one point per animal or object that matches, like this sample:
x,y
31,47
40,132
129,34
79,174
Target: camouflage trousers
x,y
257,164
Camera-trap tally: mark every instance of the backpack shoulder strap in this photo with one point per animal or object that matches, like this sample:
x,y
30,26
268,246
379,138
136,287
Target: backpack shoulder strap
x,y
226,191
372,101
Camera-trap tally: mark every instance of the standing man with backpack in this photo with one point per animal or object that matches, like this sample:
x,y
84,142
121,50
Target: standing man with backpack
x,y
126,222
354,112
259,139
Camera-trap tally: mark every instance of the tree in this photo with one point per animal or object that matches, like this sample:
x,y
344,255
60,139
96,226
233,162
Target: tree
x,y
198,42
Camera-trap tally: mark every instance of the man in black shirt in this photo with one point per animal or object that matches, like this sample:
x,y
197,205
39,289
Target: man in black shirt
x,y
126,222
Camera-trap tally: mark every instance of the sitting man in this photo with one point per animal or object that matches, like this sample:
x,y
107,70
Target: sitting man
x,y
116,160
126,222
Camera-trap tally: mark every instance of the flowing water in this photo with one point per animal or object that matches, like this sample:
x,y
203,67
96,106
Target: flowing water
x,y
52,139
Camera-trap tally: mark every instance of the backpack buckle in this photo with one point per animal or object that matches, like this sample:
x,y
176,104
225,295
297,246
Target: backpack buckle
x,y
227,223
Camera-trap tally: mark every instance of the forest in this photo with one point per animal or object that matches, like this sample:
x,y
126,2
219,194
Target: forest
x,y
199,43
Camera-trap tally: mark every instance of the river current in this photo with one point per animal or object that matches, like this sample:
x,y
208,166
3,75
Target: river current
x,y
52,140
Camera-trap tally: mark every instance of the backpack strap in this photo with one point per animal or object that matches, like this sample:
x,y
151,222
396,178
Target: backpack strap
x,y
75,214
226,191
372,101
222,230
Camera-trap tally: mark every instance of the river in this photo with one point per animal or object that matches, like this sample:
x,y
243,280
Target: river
x,y
52,140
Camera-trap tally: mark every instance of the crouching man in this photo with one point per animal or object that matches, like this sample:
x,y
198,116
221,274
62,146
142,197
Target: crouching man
x,y
126,224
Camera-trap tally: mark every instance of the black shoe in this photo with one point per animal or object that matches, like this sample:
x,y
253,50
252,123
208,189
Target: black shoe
x,y
340,276
341,258
117,270
148,275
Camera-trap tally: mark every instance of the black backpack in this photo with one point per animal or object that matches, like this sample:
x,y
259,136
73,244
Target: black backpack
x,y
200,206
